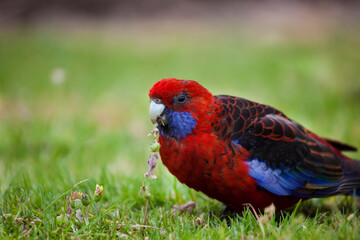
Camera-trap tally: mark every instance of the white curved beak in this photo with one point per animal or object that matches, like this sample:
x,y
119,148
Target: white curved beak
x,y
155,110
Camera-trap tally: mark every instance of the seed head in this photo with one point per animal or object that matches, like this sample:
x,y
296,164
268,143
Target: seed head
x,y
98,192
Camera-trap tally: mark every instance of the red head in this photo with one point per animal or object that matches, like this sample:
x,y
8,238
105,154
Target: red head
x,y
168,89
179,96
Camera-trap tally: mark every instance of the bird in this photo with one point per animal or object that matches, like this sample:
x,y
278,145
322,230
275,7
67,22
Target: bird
x,y
242,152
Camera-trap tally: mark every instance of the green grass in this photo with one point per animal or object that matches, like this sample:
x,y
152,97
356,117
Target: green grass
x,y
94,126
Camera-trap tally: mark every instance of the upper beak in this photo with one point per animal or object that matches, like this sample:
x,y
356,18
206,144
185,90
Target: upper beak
x,y
155,111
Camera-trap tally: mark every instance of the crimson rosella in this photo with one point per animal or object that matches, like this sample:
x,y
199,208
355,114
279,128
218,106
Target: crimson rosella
x,y
238,151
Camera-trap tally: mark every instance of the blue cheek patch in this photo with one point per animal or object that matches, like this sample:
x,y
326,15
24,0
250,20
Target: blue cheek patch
x,y
180,124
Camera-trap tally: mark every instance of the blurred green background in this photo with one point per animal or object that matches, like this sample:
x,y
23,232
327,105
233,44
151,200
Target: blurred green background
x,y
73,90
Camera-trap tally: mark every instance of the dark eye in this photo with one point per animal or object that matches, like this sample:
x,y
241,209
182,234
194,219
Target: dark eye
x,y
181,98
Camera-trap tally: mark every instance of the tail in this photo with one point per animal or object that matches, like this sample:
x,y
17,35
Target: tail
x,y
350,167
351,183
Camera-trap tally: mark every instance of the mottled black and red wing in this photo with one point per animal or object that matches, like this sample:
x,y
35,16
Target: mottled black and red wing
x,y
281,144
237,114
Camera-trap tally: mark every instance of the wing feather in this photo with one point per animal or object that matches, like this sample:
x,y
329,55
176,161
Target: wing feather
x,y
285,158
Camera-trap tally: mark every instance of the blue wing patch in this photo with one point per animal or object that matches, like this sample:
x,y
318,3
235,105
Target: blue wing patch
x,y
288,181
270,179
